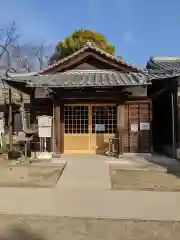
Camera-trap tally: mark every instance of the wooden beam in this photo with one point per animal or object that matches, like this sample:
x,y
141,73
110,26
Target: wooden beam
x,y
61,127
21,87
88,94
89,101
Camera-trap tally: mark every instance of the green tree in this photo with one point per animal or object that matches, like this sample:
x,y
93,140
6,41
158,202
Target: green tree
x,y
76,40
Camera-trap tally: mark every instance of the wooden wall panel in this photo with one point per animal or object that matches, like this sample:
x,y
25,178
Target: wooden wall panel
x,y
133,119
136,113
126,135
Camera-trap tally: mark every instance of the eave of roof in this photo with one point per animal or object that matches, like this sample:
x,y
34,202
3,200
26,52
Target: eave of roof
x,y
160,75
82,78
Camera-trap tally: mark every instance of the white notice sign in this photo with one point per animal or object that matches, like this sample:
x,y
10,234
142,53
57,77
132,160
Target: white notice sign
x,y
44,121
44,132
44,126
1,126
100,128
134,127
145,126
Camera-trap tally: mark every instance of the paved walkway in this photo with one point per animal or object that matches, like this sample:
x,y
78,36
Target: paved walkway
x,y
82,174
161,206
84,191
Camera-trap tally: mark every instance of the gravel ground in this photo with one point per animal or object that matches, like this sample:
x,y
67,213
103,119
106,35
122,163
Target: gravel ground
x,y
45,228
30,176
144,180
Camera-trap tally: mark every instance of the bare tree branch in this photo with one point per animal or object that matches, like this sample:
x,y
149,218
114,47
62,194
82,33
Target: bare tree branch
x,y
20,59
10,37
26,57
41,54
8,55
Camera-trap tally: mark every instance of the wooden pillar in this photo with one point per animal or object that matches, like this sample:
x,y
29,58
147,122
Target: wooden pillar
x,y
32,111
120,126
57,125
10,121
61,128
174,123
178,121
53,138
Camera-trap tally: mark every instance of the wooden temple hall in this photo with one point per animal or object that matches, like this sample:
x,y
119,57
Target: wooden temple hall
x,y
96,99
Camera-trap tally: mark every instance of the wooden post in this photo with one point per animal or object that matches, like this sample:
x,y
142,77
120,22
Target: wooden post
x,y
22,112
120,126
10,121
32,111
173,126
57,125
53,138
62,128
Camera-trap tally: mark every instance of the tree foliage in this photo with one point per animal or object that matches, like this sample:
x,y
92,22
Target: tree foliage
x,y
76,40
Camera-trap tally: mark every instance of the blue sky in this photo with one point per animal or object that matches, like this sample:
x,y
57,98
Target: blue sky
x,y
138,28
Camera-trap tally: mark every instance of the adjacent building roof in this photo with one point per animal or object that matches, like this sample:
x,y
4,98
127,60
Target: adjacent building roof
x,y
164,63
163,67
4,91
93,47
82,78
162,74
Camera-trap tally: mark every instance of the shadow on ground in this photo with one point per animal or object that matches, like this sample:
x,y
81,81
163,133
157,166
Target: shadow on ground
x,y
145,172
16,233
172,166
45,228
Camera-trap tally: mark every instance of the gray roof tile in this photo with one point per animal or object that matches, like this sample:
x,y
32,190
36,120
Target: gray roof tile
x,y
163,67
78,78
162,74
164,63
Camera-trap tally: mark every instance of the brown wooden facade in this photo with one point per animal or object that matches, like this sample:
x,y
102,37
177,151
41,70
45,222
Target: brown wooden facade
x,y
126,113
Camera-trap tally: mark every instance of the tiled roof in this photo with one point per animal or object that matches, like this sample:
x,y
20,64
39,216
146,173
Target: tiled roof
x,y
91,46
163,67
83,78
162,74
164,63
16,96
